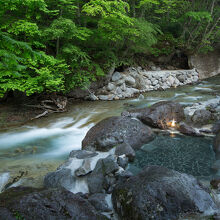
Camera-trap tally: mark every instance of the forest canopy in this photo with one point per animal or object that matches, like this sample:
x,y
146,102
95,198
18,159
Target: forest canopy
x,y
57,45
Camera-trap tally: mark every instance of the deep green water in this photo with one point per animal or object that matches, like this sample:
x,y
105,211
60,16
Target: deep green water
x,y
192,155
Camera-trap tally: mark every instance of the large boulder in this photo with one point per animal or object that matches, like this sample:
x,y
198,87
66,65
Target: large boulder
x,y
207,65
160,193
115,130
159,115
41,204
201,117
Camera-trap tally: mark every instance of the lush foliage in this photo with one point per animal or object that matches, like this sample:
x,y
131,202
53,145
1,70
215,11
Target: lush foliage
x,y
56,45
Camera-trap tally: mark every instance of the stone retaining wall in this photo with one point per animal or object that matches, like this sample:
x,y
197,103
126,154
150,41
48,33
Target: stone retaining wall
x,y
135,81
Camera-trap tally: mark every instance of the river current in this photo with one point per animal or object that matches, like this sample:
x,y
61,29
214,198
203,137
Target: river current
x,y
42,145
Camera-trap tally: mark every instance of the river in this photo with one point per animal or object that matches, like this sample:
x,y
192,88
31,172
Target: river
x,y
42,145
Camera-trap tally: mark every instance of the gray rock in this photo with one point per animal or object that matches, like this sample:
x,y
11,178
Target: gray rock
x,y
126,149
114,130
97,180
195,78
122,161
106,97
95,183
207,65
116,76
140,96
118,90
110,86
154,68
98,200
188,130
129,80
92,97
119,82
82,154
62,178
84,169
181,77
123,87
56,204
201,116
160,114
154,82
171,80
160,193
140,82
148,82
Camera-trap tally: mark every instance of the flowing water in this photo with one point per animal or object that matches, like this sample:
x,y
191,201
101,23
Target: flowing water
x,y
42,145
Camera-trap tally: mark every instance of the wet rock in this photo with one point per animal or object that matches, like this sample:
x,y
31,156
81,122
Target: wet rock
x,y
188,130
82,154
30,203
84,169
122,161
62,178
160,193
126,149
124,175
159,114
97,182
201,116
116,76
98,200
114,130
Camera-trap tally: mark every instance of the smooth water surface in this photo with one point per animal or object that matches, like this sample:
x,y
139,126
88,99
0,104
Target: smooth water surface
x,y
192,155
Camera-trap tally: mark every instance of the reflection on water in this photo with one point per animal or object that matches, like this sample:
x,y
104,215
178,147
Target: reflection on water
x,y
49,140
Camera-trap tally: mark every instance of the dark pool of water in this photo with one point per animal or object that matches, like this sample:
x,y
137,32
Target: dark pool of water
x,y
192,155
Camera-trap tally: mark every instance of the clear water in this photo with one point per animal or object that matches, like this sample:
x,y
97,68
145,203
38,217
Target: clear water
x,y
42,145
192,155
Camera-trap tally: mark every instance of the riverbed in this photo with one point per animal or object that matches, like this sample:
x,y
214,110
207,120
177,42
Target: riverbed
x,y
40,146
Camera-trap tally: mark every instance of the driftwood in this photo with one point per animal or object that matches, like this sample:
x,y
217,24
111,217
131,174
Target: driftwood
x,y
53,105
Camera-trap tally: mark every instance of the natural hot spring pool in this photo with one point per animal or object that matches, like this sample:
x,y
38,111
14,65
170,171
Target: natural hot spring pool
x,y
191,155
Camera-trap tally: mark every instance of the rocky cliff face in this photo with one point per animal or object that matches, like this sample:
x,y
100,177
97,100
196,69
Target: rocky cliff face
x,y
207,65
